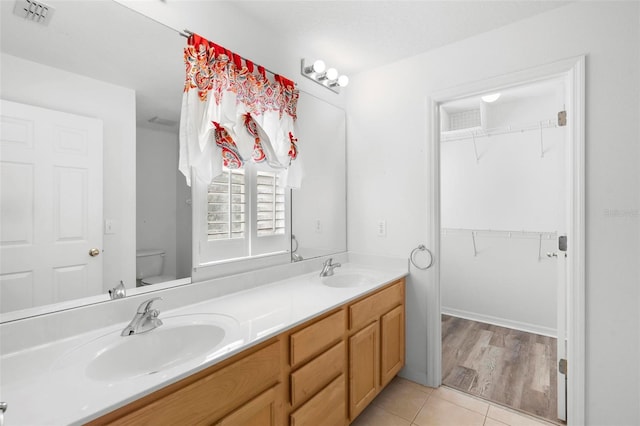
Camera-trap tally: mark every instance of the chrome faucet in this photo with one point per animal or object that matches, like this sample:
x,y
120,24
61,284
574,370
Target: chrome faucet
x,y
118,292
328,267
145,319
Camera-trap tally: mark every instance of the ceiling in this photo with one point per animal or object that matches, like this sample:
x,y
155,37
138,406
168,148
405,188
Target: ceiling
x,y
356,35
350,35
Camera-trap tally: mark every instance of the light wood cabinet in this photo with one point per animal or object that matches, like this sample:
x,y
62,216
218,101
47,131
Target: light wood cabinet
x,y
392,344
364,368
308,380
316,337
376,344
263,410
323,372
203,400
317,378
326,408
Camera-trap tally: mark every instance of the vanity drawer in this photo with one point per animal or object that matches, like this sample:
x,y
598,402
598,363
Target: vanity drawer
x,y
215,395
327,408
312,340
309,379
365,311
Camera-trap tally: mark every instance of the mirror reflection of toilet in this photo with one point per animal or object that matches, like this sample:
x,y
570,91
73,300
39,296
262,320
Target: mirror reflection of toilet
x,y
149,267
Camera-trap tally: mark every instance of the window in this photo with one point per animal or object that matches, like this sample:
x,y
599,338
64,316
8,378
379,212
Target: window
x,y
271,205
244,215
226,206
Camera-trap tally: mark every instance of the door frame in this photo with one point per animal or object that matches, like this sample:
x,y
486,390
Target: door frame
x,y
573,69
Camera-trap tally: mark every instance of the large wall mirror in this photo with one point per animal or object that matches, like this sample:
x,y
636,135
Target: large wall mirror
x,y
109,83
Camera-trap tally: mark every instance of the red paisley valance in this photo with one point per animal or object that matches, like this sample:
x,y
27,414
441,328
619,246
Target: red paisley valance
x,y
233,113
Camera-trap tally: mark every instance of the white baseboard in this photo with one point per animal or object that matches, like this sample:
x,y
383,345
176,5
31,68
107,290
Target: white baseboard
x,y
414,375
502,322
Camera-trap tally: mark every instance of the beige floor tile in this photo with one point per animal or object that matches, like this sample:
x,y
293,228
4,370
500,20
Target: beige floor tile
x,y
512,418
440,412
462,400
414,385
375,416
402,398
491,422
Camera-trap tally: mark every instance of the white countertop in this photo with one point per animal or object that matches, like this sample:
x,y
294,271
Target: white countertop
x,y
42,387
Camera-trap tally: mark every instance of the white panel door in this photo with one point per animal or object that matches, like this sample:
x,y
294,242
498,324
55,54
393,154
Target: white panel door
x,y
50,206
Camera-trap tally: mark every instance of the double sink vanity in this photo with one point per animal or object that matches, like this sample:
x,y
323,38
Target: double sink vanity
x,y
305,350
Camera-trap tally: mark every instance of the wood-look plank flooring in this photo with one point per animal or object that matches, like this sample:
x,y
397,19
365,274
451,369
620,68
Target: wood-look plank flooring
x,y
506,366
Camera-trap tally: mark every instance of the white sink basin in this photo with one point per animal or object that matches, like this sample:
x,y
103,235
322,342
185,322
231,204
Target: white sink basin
x,y
347,279
181,339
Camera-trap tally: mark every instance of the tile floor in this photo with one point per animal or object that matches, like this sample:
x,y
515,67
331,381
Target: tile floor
x,y
405,403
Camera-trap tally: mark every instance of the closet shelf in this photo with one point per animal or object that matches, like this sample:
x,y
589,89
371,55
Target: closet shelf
x,y
478,132
490,233
546,235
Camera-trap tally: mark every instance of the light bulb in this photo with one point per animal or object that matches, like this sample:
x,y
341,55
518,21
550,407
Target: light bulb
x,y
491,98
343,80
331,74
318,66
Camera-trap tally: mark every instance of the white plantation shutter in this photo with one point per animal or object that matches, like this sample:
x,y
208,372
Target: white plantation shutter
x,y
245,213
226,206
270,217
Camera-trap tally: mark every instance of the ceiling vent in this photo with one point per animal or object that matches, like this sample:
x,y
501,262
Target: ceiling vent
x,y
465,119
34,11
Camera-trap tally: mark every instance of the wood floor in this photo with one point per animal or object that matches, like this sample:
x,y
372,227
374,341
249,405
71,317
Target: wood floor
x,y
506,366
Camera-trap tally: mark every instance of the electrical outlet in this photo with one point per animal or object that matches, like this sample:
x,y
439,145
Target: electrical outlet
x,y
318,226
382,228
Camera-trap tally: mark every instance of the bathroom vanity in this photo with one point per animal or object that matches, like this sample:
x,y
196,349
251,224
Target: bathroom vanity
x,y
324,371
295,351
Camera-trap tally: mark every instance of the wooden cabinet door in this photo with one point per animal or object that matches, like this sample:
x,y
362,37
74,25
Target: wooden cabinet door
x,y
391,344
364,368
263,410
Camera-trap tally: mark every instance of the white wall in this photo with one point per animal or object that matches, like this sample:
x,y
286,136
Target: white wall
x,y
157,165
64,91
505,283
387,115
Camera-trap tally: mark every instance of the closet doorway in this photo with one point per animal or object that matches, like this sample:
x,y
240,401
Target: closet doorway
x,y
502,203
508,190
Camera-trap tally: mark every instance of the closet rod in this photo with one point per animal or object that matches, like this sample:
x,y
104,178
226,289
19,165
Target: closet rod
x,y
478,133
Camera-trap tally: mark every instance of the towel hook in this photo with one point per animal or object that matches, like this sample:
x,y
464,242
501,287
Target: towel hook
x,y
421,247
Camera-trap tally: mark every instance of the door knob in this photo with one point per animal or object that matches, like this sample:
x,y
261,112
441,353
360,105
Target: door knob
x,y
94,252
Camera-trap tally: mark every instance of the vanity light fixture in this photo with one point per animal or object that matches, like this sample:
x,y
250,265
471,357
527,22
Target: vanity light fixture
x,y
330,78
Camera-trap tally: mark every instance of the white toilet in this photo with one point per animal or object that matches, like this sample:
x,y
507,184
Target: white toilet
x,y
149,267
